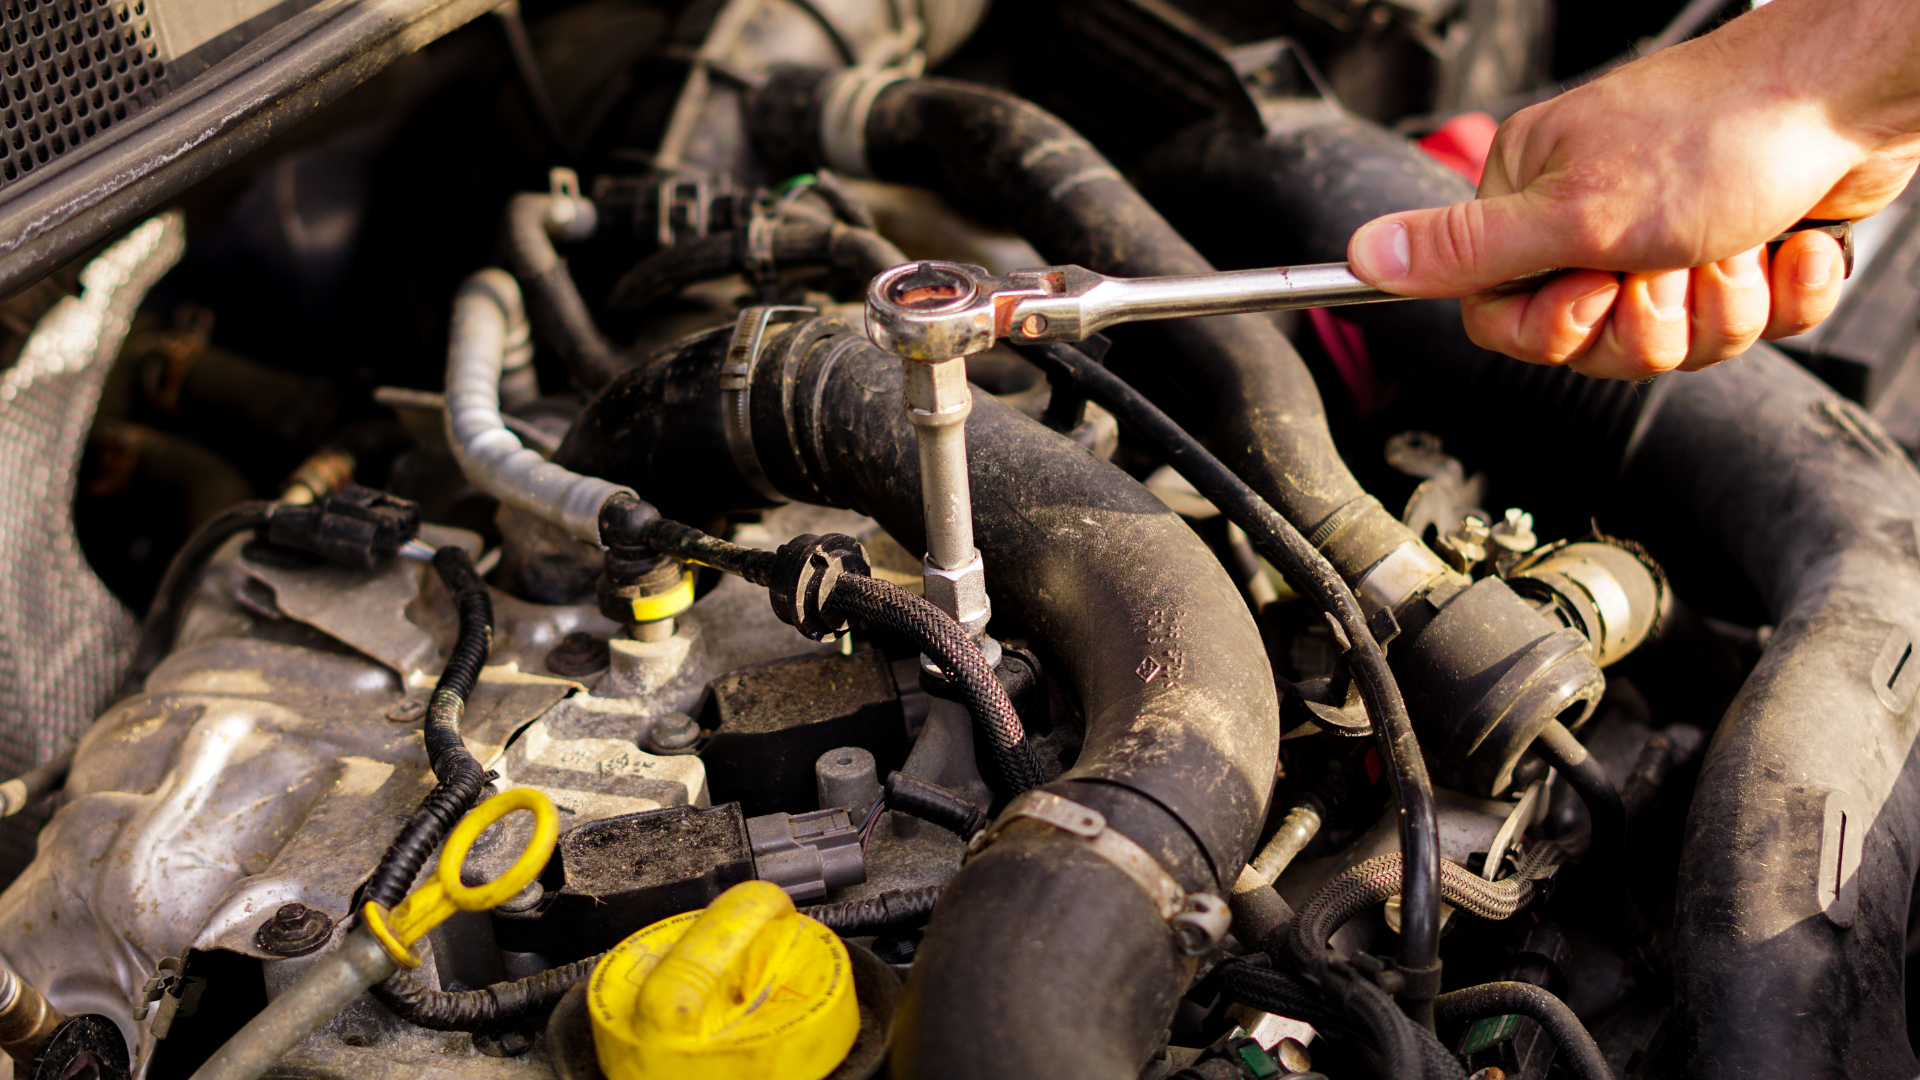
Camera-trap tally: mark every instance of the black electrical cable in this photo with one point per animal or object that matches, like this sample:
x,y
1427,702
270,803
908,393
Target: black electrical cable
x,y
890,911
162,626
1277,538
460,773
486,1008
1579,1054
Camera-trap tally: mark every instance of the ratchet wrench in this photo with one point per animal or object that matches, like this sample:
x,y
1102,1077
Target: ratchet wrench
x,y
933,311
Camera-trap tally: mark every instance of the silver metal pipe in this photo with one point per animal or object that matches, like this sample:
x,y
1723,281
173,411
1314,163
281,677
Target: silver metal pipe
x,y
320,994
939,402
1297,830
487,317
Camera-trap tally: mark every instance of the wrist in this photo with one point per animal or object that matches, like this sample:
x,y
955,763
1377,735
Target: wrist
x,y
1859,61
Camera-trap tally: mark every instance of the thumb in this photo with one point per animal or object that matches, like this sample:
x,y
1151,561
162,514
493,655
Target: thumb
x,y
1456,250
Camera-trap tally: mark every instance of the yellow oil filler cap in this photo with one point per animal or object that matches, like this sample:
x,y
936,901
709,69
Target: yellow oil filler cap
x,y
748,989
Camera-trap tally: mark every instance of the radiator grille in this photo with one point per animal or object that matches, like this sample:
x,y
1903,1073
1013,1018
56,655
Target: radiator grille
x,y
70,70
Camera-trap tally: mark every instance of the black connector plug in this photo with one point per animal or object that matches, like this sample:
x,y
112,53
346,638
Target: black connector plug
x,y
355,526
805,570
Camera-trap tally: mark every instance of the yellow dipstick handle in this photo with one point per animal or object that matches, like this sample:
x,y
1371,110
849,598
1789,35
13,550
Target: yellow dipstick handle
x,y
437,900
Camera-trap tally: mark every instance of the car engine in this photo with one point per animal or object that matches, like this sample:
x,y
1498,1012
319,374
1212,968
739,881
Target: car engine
x,y
616,538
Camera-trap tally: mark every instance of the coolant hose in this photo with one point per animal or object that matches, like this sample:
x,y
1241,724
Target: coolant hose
x,y
1163,655
533,219
460,774
487,315
1579,1054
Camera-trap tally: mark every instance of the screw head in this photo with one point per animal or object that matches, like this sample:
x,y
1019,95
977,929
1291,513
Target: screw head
x,y
294,930
407,711
578,654
675,731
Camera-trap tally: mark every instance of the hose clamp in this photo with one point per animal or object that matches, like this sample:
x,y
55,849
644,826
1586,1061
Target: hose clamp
x,y
1198,920
736,389
843,117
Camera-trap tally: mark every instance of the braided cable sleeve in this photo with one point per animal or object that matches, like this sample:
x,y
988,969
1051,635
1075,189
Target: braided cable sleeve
x,y
883,603
1579,1054
895,909
689,544
482,1009
1281,994
461,775
1375,880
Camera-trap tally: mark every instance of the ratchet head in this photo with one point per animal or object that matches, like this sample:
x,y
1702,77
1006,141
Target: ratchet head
x,y
935,311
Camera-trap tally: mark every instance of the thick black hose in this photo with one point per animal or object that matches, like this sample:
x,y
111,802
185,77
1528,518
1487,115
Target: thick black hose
x,y
1276,538
893,910
460,773
882,603
486,1008
666,272
162,626
1579,1054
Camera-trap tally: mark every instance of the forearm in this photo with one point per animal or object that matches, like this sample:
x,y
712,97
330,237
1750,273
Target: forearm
x,y
1858,59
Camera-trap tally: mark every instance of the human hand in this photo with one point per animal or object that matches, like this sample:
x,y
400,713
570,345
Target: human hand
x,y
1667,177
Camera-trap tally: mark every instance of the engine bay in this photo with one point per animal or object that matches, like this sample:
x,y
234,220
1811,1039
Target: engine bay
x,y
572,560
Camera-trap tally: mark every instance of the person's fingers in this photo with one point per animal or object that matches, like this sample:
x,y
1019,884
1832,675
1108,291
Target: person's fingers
x,y
1648,332
1806,275
1554,324
1464,248
1730,305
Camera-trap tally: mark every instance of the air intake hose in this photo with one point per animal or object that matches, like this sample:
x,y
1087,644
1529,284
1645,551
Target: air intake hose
x,y
1481,670
1182,718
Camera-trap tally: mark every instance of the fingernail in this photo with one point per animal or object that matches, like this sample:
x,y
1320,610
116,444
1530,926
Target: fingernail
x,y
1814,268
1741,268
1668,294
1382,251
1591,308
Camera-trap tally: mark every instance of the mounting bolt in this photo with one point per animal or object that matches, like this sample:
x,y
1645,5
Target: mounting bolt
x,y
294,930
674,731
407,711
1515,532
578,654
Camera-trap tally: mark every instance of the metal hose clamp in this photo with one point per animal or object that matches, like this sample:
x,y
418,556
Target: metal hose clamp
x,y
1198,920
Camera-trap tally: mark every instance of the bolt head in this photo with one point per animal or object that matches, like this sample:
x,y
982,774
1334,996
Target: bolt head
x,y
293,930
675,731
577,655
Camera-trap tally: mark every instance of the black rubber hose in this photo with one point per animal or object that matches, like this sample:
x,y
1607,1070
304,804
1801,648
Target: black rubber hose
x,y
460,773
882,603
890,911
1150,632
1579,1054
484,1009
930,802
177,586
1276,538
556,307
666,272
1559,748
1270,990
